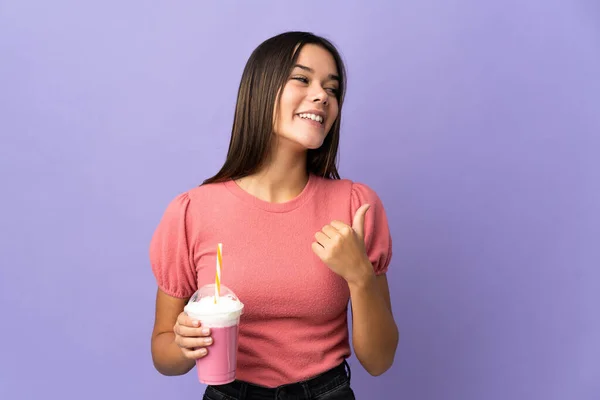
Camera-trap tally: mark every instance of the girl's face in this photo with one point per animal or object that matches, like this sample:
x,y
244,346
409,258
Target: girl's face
x,y
308,104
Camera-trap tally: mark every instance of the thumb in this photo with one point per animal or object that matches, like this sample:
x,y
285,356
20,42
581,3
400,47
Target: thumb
x,y
358,224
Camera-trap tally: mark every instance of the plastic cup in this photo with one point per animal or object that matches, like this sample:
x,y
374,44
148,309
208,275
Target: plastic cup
x,y
223,318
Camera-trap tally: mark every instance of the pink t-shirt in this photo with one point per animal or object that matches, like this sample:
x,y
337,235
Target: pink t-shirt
x,y
294,324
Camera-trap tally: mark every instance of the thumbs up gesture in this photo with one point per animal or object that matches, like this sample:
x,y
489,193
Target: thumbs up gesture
x,y
342,247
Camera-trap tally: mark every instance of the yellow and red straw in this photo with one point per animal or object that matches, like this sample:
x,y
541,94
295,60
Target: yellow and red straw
x,y
218,274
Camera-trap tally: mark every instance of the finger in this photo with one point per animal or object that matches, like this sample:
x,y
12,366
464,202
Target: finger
x,y
358,224
339,225
341,228
330,231
195,353
186,331
186,320
318,249
322,239
194,343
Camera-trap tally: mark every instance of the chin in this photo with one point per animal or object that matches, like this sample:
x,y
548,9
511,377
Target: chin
x,y
303,139
311,145
310,141
304,142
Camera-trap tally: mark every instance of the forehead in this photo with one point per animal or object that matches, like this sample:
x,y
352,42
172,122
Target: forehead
x,y
317,58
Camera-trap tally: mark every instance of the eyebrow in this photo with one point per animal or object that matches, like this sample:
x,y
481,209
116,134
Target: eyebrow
x,y
304,67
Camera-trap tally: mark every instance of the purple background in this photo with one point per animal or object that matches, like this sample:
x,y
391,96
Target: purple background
x,y
478,125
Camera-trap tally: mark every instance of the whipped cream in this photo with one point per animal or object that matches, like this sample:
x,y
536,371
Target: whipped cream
x,y
226,312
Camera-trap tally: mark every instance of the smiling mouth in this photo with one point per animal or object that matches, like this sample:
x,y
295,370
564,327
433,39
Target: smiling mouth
x,y
312,117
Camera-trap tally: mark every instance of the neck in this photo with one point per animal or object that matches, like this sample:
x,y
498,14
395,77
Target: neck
x,y
283,177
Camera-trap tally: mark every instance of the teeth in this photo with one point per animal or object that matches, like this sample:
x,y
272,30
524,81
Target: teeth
x,y
314,117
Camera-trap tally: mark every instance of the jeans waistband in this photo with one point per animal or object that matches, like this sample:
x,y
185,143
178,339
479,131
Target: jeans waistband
x,y
313,387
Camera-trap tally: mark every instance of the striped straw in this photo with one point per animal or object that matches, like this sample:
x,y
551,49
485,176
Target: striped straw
x,y
218,274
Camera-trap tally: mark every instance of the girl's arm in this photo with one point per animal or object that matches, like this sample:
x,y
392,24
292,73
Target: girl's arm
x,y
374,331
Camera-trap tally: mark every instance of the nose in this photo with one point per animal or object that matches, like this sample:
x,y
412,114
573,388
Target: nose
x,y
320,95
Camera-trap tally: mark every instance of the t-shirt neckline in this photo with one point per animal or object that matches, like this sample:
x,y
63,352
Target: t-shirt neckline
x,y
287,206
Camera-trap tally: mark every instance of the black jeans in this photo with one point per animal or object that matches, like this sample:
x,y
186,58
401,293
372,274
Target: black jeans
x,y
330,385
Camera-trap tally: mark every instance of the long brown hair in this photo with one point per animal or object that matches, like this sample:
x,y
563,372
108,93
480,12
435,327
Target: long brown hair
x,y
264,76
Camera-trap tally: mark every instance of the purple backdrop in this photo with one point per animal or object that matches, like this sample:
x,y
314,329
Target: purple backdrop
x,y
478,125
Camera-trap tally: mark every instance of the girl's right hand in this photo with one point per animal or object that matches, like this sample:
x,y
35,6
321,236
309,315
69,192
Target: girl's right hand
x,y
191,338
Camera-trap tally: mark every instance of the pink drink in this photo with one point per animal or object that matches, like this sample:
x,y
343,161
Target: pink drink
x,y
218,366
222,317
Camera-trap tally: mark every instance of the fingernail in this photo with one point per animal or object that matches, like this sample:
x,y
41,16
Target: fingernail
x,y
202,352
196,323
205,331
208,340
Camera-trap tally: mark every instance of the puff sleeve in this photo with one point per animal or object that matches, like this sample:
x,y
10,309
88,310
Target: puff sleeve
x,y
171,256
378,240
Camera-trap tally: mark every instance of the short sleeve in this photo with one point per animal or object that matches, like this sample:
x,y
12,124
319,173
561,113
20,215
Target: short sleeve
x,y
378,240
171,257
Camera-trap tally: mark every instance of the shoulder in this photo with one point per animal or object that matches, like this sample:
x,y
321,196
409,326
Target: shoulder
x,y
346,193
211,191
192,204
337,189
363,193
348,185
357,192
199,197
193,195
177,205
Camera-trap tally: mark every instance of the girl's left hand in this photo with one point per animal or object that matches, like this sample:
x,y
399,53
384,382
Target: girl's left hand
x,y
342,248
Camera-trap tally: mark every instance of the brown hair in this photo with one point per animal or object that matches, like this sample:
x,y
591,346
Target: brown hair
x,y
265,74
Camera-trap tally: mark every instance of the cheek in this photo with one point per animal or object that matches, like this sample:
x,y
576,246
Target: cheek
x,y
288,98
281,113
334,114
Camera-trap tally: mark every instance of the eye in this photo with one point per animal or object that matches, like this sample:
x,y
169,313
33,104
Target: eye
x,y
333,91
300,78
